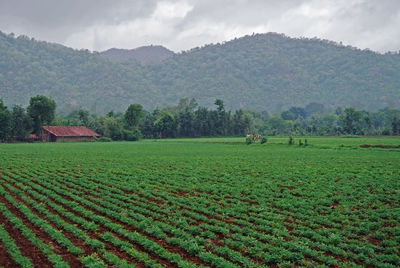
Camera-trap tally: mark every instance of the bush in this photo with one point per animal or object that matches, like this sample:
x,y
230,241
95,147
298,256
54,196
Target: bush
x,y
104,139
291,140
131,135
263,140
386,131
249,140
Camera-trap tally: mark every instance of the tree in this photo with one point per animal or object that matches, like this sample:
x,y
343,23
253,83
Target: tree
x,y
279,126
288,115
220,104
186,117
202,122
112,128
133,115
21,123
83,117
186,104
42,111
395,125
314,108
165,125
147,124
354,121
293,113
242,123
221,126
185,123
5,122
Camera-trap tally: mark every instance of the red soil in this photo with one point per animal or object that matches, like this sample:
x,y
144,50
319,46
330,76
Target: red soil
x,y
163,243
5,258
68,257
76,241
27,248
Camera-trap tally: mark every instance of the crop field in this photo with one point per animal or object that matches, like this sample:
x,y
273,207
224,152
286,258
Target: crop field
x,y
201,202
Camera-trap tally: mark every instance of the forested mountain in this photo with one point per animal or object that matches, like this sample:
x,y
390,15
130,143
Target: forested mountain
x,y
264,72
74,78
144,55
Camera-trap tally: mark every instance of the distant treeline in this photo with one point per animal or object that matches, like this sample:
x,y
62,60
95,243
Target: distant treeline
x,y
188,119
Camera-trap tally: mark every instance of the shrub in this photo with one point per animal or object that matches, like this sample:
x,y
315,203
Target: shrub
x,y
249,140
386,131
291,140
263,140
104,139
131,135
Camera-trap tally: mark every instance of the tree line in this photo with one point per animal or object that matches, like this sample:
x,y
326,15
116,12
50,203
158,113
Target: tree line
x,y
188,119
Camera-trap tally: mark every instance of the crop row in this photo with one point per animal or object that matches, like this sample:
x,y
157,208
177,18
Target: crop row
x,y
258,246
328,237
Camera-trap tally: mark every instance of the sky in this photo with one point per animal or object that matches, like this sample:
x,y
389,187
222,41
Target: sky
x,y
179,25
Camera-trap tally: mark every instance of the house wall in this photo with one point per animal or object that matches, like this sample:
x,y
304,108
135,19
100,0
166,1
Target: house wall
x,y
74,139
46,136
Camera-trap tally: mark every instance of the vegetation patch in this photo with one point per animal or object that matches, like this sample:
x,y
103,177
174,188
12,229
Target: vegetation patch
x,y
200,202
383,146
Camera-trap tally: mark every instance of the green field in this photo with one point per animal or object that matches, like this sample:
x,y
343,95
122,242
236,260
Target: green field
x,y
212,202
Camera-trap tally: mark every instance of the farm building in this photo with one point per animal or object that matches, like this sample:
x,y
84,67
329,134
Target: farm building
x,y
70,133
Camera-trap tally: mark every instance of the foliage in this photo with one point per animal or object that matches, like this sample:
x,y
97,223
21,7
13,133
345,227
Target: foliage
x,y
132,116
270,72
104,139
354,122
263,140
165,125
249,140
187,119
42,110
21,123
131,135
5,122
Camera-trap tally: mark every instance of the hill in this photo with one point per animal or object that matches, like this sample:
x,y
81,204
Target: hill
x,y
74,78
272,72
144,55
263,72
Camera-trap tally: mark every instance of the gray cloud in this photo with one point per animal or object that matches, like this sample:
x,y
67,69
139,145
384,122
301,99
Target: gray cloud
x,y
183,24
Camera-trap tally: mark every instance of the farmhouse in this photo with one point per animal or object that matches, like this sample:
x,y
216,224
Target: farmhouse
x,y
70,133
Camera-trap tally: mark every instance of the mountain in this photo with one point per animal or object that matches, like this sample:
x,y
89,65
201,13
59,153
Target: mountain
x,y
74,78
144,55
263,72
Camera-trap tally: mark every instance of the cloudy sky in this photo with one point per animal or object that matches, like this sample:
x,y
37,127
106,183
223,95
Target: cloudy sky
x,y
184,24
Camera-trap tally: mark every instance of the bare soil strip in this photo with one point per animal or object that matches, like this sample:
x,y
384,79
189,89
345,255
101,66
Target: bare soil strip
x,y
5,258
27,248
78,242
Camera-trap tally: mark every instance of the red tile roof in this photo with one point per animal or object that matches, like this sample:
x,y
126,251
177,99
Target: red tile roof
x,y
74,131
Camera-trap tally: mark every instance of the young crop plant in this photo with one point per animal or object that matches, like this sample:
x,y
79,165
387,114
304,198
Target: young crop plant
x,y
93,261
117,262
210,202
54,258
13,250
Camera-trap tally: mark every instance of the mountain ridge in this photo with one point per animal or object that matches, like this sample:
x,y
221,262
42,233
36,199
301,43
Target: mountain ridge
x,y
152,54
262,72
